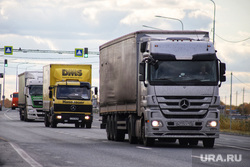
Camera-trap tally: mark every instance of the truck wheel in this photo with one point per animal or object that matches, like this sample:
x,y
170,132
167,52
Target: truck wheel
x,y
112,127
26,116
77,125
53,123
132,139
88,125
118,134
183,142
21,116
208,143
83,125
46,120
146,141
108,128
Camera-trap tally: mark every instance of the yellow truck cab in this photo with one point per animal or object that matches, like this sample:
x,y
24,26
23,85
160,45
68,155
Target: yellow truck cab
x,y
67,96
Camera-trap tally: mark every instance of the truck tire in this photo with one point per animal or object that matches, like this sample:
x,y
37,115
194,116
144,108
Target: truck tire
x,y
21,116
83,125
108,128
131,138
46,120
77,125
112,127
53,123
146,141
26,116
208,143
88,125
119,135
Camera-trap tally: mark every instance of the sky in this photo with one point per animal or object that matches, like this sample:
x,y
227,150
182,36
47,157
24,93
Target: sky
x,y
69,24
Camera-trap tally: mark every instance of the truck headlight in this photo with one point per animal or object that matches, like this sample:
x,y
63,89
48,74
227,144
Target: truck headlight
x,y
87,117
156,123
212,123
58,117
31,110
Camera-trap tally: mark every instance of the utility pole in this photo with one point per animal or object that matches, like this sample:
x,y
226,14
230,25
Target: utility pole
x,y
236,97
231,101
243,101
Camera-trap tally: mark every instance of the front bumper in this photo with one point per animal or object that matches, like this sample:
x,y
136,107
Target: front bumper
x,y
35,114
72,118
182,128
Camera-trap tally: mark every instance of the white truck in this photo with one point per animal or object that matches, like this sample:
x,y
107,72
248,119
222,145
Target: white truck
x,y
161,85
30,101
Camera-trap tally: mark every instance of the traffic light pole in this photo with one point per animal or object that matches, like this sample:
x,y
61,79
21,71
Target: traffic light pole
x,y
3,82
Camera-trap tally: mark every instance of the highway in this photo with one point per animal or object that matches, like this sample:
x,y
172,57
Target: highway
x,y
26,144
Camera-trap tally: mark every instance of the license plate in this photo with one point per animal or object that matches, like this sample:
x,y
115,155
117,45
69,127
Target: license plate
x,y
184,123
73,118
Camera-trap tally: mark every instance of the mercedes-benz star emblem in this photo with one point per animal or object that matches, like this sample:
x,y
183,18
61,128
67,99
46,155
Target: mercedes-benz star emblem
x,y
184,104
73,108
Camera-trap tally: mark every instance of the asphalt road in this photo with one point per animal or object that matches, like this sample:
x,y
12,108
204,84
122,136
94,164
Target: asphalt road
x,y
26,144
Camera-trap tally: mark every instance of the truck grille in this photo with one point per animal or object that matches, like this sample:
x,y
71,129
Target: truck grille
x,y
184,106
73,108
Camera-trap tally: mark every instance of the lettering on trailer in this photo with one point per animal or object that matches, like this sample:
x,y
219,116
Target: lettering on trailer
x,y
71,72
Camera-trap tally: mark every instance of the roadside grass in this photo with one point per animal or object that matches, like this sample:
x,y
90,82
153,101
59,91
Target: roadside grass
x,y
237,127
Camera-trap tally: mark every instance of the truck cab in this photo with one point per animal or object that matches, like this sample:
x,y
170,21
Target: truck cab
x,y
30,97
14,102
71,103
67,95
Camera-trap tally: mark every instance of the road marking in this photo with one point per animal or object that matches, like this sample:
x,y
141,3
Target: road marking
x,y
241,148
25,156
144,148
7,116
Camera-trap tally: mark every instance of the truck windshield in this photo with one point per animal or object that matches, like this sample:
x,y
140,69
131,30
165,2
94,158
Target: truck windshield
x,y
36,89
73,93
184,73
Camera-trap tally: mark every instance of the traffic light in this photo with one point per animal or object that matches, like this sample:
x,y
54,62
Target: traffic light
x,y
1,75
86,53
5,63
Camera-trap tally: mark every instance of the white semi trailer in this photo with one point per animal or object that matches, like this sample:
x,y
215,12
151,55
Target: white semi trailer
x,y
30,100
161,85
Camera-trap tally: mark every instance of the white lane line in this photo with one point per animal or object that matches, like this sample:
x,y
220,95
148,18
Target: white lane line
x,y
144,148
241,148
7,116
25,156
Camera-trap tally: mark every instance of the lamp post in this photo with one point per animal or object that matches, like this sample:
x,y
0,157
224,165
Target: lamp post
x,y
213,21
17,72
172,19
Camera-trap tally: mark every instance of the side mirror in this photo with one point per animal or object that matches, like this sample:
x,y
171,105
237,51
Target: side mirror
x,y
143,47
142,72
222,72
96,90
50,94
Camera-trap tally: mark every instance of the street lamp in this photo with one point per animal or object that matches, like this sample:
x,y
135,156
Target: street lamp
x,y
17,72
213,21
172,19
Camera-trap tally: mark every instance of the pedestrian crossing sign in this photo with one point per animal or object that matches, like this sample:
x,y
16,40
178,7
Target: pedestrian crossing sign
x,y
78,52
8,50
